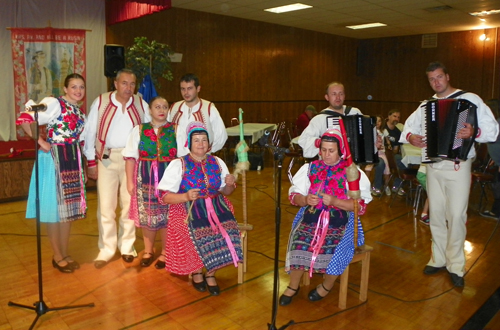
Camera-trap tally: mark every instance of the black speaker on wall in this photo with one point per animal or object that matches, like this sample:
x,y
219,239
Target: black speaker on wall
x,y
114,59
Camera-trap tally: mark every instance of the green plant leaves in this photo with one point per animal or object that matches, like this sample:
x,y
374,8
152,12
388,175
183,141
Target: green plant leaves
x,y
149,57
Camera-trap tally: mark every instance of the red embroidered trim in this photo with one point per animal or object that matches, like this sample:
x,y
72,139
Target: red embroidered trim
x,y
24,118
290,197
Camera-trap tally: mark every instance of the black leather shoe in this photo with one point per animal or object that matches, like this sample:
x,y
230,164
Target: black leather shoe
x,y
457,281
127,258
213,289
100,263
160,264
62,269
286,300
72,263
430,270
199,286
146,262
315,296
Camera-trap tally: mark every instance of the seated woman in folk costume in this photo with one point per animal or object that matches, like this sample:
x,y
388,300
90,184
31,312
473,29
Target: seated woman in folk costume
x,y
202,231
322,236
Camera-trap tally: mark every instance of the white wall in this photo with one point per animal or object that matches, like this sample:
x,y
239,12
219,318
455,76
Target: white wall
x,y
62,14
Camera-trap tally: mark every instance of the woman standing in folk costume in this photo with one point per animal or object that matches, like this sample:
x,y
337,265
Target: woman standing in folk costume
x,y
61,186
322,236
149,150
202,231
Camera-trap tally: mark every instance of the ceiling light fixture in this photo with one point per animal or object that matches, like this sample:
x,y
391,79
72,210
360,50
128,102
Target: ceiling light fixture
x,y
365,26
485,12
284,9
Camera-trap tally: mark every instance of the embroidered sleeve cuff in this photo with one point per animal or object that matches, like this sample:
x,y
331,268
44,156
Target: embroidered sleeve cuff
x,y
290,197
24,118
162,194
362,207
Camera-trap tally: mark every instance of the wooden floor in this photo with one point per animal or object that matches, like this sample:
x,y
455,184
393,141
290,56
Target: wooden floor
x,y
130,297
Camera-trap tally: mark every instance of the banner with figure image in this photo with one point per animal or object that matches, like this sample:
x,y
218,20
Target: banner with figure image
x,y
42,58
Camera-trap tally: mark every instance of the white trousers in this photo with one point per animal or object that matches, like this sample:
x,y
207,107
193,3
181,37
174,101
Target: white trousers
x,y
111,185
448,191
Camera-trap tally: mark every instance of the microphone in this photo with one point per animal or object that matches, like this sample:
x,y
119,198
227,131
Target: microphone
x,y
38,107
277,149
263,139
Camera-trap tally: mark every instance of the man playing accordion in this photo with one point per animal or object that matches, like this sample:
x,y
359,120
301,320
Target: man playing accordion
x,y
448,181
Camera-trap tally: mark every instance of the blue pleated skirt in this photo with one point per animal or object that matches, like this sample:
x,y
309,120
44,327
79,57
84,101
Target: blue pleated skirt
x,y
47,188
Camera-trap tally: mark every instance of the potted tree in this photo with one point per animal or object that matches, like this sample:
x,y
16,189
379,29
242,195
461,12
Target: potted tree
x,y
146,57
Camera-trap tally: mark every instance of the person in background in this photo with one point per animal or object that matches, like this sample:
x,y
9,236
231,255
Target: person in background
x,y
394,134
193,108
112,117
494,152
304,118
202,231
335,95
61,178
382,170
322,235
150,148
448,183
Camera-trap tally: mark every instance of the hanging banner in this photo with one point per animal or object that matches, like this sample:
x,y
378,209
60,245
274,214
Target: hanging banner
x,y
42,58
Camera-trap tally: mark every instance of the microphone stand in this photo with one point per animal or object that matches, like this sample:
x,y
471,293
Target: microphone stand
x,y
279,154
40,307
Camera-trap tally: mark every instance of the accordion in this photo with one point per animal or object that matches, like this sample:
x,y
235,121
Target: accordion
x,y
441,121
361,137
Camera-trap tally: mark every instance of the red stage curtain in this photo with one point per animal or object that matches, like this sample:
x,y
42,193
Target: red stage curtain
x,y
123,10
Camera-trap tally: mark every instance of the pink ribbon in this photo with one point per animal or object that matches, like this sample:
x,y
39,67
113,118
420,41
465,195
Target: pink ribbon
x,y
216,226
153,170
319,237
83,203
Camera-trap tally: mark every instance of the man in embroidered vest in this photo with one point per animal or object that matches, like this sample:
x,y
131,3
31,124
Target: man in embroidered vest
x,y
111,119
335,95
193,108
448,182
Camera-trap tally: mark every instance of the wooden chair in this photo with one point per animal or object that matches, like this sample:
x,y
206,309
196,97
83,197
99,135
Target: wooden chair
x,y
361,254
242,268
484,178
408,176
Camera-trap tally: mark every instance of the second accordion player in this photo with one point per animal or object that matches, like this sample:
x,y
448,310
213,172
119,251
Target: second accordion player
x,y
441,121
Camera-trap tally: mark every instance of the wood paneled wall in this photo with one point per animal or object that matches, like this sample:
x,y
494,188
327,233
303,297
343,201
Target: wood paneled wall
x,y
15,178
272,72
393,69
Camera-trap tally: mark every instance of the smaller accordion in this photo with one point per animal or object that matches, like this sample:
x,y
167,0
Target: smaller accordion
x,y
441,121
362,136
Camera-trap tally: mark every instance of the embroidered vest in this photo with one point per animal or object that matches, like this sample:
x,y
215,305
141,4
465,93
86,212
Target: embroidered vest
x,y
203,114
106,112
327,179
204,175
161,147
66,128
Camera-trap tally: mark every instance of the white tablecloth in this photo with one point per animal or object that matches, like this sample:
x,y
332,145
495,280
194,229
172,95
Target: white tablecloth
x,y
253,130
411,154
